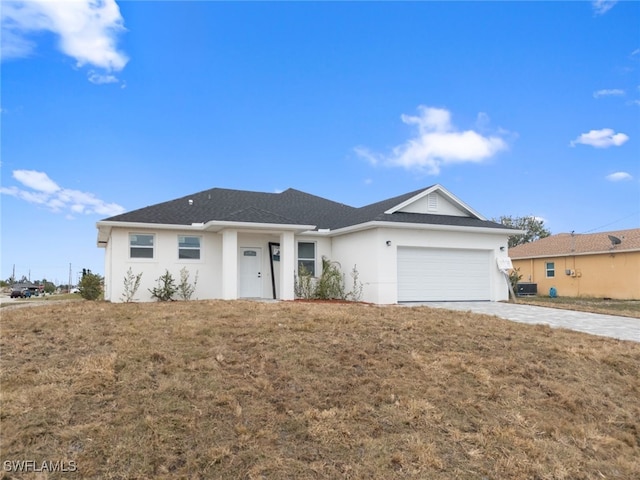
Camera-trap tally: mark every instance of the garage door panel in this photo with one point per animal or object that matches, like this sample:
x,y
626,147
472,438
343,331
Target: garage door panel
x,y
429,274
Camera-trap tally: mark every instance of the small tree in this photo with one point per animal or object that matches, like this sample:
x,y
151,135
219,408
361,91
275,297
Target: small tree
x,y
186,289
514,278
131,285
90,286
49,287
533,227
166,288
356,289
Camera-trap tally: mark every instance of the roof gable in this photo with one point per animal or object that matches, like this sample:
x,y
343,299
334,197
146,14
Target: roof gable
x,y
435,200
564,244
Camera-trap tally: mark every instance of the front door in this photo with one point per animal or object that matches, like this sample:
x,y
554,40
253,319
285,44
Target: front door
x,y
250,272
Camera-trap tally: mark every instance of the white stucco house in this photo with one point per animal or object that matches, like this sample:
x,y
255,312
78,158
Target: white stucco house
x,y
425,245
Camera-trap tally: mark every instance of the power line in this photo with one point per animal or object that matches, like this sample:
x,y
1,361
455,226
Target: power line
x,y
611,223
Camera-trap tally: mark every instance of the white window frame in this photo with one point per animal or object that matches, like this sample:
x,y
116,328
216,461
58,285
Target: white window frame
x,y
198,249
551,270
307,259
152,247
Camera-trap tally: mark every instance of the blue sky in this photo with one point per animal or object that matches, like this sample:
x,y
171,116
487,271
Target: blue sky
x,y
518,108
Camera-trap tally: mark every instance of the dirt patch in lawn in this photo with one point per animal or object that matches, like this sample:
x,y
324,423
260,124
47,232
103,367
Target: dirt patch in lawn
x,y
248,390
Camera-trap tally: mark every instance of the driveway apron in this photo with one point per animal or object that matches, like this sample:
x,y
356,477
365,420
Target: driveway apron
x,y
623,328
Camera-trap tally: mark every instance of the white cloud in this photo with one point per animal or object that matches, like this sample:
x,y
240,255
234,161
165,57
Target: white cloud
x,y
100,79
600,7
39,181
619,176
45,191
601,138
87,30
437,143
363,152
608,92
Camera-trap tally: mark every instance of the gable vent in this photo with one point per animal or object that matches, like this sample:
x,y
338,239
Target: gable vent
x,y
432,202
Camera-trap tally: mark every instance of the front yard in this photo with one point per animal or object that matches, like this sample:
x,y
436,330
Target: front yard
x,y
247,390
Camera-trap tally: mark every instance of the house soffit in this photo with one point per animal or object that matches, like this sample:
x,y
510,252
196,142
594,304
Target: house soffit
x,y
104,228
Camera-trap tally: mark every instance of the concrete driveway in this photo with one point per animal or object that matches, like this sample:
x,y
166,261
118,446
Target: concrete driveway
x,y
623,328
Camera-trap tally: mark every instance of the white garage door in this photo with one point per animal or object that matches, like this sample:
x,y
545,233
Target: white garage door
x,y
437,274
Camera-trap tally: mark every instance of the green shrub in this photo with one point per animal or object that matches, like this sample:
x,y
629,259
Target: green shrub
x,y
90,286
514,278
186,289
131,285
330,285
166,288
304,286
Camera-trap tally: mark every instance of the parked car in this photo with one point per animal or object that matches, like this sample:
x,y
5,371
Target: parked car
x,y
24,293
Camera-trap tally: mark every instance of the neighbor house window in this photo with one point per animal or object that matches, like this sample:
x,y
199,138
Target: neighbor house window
x,y
551,270
307,257
188,247
141,246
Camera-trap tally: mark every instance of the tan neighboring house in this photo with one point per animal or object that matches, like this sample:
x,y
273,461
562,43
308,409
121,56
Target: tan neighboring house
x,y
601,265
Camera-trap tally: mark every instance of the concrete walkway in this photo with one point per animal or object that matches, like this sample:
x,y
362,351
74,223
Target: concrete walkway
x,y
623,328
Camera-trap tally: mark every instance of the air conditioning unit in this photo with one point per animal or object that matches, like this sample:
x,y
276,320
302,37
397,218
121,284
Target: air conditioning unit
x,y
526,289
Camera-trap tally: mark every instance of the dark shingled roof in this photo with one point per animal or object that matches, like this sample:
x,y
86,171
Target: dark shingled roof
x,y
291,207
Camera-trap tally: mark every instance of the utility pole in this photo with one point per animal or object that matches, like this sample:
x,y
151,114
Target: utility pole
x,y
69,286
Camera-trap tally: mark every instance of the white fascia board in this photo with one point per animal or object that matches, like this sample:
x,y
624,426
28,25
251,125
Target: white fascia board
x,y
446,193
424,226
219,225
320,233
211,226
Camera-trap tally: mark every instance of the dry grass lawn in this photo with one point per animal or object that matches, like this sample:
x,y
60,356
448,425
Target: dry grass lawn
x,y
246,390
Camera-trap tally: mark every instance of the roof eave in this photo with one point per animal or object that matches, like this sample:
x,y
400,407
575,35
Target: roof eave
x,y
105,227
575,254
421,226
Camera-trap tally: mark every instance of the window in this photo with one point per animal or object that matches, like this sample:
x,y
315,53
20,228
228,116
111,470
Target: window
x,y
188,247
140,246
551,269
307,257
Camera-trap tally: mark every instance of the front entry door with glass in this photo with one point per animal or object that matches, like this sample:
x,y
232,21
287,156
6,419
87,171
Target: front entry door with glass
x,y
250,272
